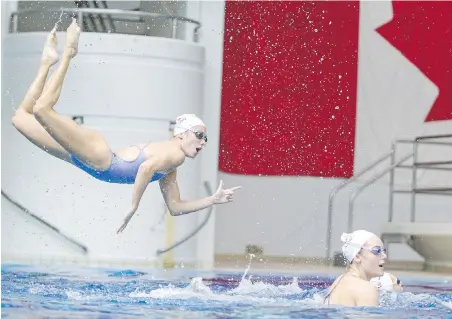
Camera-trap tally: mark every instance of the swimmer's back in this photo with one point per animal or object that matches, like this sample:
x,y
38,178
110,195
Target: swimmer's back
x,y
125,163
351,291
150,150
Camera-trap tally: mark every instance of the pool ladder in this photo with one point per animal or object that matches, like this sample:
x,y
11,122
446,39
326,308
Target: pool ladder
x,y
439,140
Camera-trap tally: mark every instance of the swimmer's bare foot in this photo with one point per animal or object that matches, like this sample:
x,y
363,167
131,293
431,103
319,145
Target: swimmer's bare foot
x,y
52,90
72,37
49,53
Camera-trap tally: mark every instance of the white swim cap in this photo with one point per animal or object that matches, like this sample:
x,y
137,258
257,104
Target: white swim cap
x,y
354,242
384,283
185,122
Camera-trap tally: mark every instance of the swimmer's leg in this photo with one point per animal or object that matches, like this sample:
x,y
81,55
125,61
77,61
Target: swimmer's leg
x,y
23,119
88,145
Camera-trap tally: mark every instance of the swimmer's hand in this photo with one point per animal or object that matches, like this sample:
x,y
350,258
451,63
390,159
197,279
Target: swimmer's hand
x,y
126,221
222,196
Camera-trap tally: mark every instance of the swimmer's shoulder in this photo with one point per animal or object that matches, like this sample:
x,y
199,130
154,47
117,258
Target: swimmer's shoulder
x,y
352,291
339,292
167,150
365,293
360,285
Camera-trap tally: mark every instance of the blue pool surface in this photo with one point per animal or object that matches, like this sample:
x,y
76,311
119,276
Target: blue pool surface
x,y
58,292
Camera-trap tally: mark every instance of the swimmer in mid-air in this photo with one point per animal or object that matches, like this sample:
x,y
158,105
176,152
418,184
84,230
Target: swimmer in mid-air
x,y
87,149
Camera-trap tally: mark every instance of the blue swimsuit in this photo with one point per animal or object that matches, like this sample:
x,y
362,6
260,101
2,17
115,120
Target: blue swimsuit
x,y
120,171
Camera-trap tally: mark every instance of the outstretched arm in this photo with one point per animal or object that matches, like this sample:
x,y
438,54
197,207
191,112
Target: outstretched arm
x,y
177,206
144,175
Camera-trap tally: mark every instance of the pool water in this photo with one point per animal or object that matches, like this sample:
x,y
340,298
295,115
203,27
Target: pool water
x,y
56,292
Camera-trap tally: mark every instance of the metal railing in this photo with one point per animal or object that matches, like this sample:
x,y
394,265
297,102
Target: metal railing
x,y
74,242
122,15
392,191
333,195
195,231
433,165
86,4
425,165
84,249
351,202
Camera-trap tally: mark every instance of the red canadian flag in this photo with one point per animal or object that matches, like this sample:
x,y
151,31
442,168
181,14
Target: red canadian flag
x,y
298,77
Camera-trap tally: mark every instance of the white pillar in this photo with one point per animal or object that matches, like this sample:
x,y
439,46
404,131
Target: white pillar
x,y
211,15
7,8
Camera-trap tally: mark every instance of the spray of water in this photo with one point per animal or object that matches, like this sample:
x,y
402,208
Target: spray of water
x,y
59,20
248,267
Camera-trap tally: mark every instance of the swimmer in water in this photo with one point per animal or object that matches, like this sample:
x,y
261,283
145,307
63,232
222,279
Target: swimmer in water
x,y
359,286
87,149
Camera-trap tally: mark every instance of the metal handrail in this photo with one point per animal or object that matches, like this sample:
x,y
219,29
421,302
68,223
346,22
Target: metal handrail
x,y
81,4
427,140
81,12
47,224
333,195
415,167
439,168
434,190
365,185
427,164
195,231
393,165
406,141
429,137
442,191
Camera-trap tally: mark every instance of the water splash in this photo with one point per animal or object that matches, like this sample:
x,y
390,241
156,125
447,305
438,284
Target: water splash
x,y
86,293
59,19
248,267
